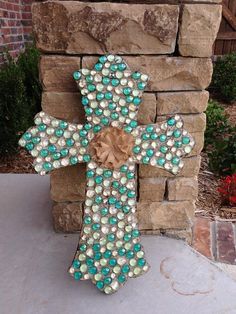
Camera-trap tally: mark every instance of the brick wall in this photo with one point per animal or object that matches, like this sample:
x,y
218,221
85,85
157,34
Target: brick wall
x,y
15,25
172,43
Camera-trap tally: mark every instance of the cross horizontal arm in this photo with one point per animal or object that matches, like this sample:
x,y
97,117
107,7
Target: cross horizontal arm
x,y
55,143
163,145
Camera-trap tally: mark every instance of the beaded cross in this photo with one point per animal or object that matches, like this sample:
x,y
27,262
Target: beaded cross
x,y
111,143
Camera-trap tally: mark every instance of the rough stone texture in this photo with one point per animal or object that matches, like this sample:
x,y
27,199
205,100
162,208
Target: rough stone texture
x,y
198,29
81,28
68,184
226,251
165,215
168,73
66,106
192,122
181,102
67,217
190,169
56,73
147,109
152,189
202,236
181,189
199,143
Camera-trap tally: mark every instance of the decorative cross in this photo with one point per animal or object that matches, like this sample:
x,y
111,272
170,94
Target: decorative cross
x,y
111,143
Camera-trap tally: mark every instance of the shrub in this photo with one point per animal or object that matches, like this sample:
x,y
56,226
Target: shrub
x,y
227,190
20,97
224,77
220,140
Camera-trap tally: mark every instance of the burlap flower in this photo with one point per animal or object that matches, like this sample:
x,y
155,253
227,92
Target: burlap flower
x,y
111,147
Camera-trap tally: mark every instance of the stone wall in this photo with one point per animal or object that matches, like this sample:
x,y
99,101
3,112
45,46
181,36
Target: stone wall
x,y
172,43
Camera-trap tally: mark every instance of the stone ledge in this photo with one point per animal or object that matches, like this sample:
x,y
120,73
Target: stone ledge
x,y
182,189
95,28
165,215
152,189
198,30
168,73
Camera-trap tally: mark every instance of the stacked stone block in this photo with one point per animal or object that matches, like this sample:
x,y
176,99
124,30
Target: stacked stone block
x,y
172,43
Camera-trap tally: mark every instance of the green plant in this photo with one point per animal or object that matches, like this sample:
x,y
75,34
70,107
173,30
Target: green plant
x,y
220,140
224,77
20,97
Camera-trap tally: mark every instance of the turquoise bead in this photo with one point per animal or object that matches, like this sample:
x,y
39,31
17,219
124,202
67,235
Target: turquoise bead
x,y
104,211
131,194
133,124
97,128
130,175
87,220
41,127
89,261
115,82
89,78
122,189
137,247
57,156
118,205
59,132
111,237
136,75
107,254
98,179
90,173
124,111
121,252
114,116
141,85
27,136
160,161
178,144
135,233
47,166
107,280
84,142
136,149
77,75
77,275
96,247
112,262
162,138
105,121
129,99
63,124
149,128
29,146
99,284
70,142
83,247
145,136
98,111
141,262
126,209
100,96
150,152
88,111
52,148
163,149
114,67
130,254
153,136
177,133
92,270
124,168
175,161
112,106
125,269
97,256
127,91
127,237
91,88
108,95
106,80
102,59
105,271
121,278
85,101
145,160
111,200
171,121
98,66
136,101
107,173
44,153
98,199
76,263
121,66
83,133
96,227
36,140
185,140
112,220
86,158
64,152
128,129
115,184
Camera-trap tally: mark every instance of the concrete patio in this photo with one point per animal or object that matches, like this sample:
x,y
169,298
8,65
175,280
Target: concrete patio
x,y
34,263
